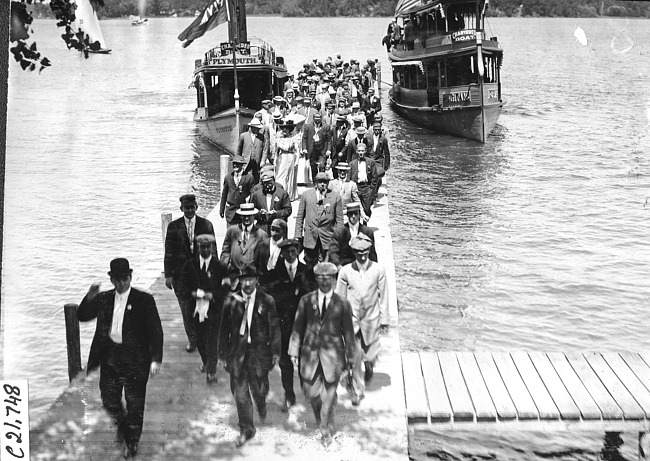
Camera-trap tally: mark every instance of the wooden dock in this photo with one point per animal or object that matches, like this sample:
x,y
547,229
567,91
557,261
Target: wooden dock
x,y
187,419
608,392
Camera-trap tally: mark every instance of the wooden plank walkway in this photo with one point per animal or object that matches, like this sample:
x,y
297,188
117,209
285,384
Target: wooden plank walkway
x,y
187,419
527,391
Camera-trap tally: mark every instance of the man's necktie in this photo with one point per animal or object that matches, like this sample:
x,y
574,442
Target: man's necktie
x,y
190,235
291,274
204,268
244,321
322,311
245,238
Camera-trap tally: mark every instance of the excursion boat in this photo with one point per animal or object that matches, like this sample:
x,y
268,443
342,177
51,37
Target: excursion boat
x,y
447,77
232,80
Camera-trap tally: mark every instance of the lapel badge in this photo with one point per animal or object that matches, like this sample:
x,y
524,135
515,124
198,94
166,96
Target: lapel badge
x,y
128,307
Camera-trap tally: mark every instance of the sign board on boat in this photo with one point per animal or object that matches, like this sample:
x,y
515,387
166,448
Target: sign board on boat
x,y
463,35
227,60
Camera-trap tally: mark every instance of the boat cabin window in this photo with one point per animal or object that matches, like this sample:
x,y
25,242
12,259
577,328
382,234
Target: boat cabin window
x,y
459,70
221,89
410,77
461,17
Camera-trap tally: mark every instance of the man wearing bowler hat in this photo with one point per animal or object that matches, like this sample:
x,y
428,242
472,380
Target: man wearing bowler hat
x,y
237,187
201,280
319,213
180,246
241,241
323,341
127,348
287,283
317,144
249,342
363,284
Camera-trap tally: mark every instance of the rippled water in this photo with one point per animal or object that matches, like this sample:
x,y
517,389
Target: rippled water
x,y
535,240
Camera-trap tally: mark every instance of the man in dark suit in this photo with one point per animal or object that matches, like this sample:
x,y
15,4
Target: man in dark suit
x,y
377,150
273,202
339,143
287,283
340,252
127,346
371,104
267,252
240,243
353,144
249,341
317,144
364,172
253,147
323,341
201,281
180,246
237,187
319,213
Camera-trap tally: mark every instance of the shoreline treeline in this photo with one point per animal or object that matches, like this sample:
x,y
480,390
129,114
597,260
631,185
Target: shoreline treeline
x,y
385,8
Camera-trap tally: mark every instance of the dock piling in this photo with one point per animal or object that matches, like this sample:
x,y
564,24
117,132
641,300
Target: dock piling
x,y
224,168
73,341
165,219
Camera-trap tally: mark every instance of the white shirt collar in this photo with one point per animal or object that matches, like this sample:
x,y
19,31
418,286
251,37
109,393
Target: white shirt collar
x,y
205,261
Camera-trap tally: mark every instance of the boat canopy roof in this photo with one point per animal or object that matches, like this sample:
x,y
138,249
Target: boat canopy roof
x,y
409,63
407,7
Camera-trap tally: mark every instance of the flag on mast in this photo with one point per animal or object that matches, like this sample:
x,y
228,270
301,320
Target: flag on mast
x,y
216,12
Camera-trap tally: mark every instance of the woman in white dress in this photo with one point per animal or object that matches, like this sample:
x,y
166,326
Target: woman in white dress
x,y
286,163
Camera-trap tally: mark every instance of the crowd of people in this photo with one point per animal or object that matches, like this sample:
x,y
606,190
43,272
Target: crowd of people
x,y
326,111
314,304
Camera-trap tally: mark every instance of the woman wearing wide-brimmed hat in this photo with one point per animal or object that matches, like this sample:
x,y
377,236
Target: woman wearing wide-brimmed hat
x,y
287,148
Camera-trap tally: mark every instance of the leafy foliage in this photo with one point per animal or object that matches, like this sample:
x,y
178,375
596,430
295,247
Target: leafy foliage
x,y
64,11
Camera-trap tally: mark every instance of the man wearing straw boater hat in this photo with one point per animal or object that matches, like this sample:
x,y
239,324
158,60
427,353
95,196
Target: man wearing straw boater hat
x,y
236,189
241,241
322,342
363,284
180,246
127,348
346,188
249,342
201,281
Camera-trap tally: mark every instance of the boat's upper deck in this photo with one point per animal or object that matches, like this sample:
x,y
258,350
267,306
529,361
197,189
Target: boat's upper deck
x,y
431,45
253,53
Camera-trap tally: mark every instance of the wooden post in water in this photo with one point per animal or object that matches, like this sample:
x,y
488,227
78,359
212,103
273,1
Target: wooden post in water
x,y
224,168
165,219
72,340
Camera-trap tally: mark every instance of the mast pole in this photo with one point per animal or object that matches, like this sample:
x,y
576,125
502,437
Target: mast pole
x,y
479,59
235,41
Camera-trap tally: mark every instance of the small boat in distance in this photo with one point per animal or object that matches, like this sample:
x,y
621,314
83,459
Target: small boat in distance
x,y
446,73
137,21
232,80
87,21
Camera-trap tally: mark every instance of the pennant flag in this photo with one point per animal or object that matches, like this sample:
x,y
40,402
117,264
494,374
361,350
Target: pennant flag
x,y
216,12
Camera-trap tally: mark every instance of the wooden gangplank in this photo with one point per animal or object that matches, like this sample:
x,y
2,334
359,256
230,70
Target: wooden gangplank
x,y
187,419
495,391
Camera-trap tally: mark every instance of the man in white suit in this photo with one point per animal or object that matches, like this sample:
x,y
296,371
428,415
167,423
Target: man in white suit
x,y
363,283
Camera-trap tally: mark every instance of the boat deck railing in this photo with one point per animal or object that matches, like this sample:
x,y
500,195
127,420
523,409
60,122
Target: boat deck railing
x,y
435,41
255,48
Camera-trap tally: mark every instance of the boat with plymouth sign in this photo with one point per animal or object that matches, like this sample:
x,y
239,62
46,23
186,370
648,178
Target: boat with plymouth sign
x,y
446,73
233,79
